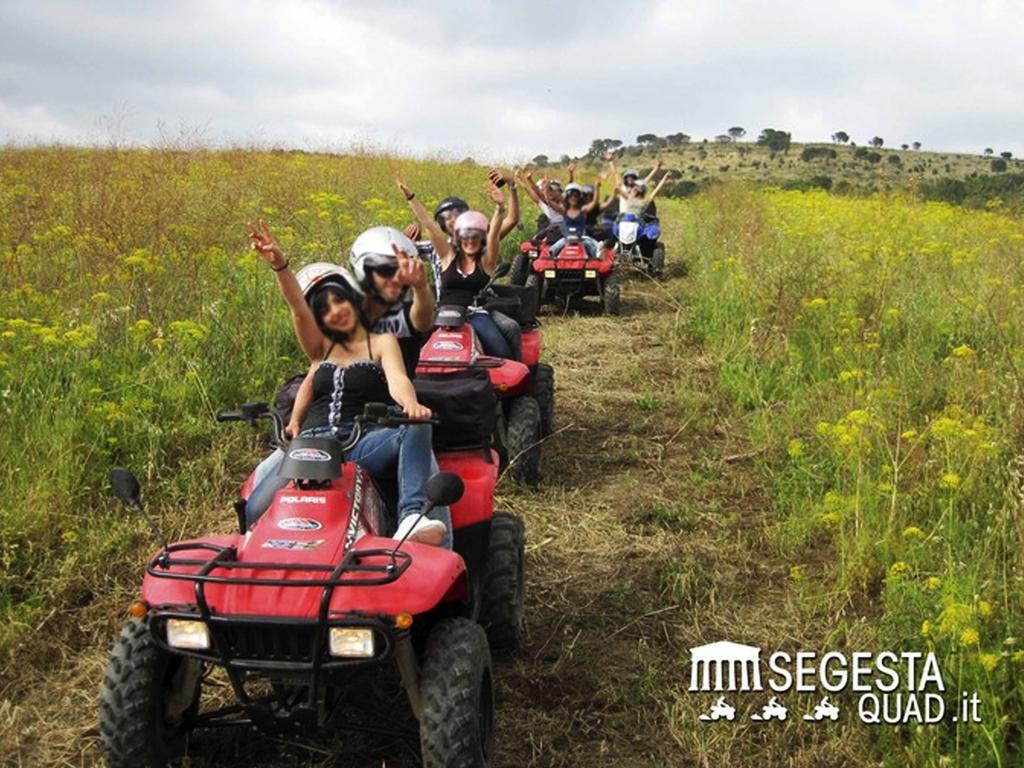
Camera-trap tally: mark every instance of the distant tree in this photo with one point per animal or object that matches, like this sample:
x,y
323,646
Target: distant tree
x,y
737,133
723,138
874,157
876,141
998,165
565,160
776,141
904,147
840,137
540,160
916,145
613,144
988,151
646,138
1006,155
677,139
894,159
859,153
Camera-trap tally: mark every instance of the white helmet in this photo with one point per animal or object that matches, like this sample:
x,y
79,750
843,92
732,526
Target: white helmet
x,y
321,273
373,249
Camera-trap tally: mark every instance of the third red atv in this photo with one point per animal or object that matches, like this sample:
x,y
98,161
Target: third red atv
x,y
573,272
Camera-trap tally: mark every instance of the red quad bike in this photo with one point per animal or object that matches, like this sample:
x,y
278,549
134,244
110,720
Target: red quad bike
x,y
525,389
313,604
573,273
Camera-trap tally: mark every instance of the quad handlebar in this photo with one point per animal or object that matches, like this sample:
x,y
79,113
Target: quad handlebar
x,y
381,414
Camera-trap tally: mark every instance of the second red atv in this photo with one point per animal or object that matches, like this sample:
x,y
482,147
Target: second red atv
x,y
524,388
300,608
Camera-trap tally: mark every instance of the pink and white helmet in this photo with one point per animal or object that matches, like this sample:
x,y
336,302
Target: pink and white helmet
x,y
471,222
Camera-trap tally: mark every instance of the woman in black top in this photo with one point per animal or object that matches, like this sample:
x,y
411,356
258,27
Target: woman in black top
x,y
467,261
356,367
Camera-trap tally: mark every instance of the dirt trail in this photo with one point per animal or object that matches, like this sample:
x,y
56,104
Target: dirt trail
x,y
643,542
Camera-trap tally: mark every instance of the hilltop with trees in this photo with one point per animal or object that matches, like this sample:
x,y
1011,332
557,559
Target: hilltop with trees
x,y
842,166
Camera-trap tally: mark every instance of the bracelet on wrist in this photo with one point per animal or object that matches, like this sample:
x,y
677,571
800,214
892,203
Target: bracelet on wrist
x,y
282,267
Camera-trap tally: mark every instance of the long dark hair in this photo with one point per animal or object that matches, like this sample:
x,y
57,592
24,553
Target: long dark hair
x,y
318,303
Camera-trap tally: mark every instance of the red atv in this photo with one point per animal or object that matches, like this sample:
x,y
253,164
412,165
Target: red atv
x,y
573,273
311,600
525,388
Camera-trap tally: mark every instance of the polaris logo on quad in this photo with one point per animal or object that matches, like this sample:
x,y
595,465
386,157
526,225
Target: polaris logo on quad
x,y
309,454
304,499
453,346
299,524
726,666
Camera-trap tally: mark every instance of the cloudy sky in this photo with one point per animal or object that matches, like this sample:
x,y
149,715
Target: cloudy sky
x,y
509,79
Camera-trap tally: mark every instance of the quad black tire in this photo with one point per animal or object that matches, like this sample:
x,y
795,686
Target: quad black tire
x,y
533,280
543,391
138,689
520,269
502,605
457,724
658,261
523,442
611,292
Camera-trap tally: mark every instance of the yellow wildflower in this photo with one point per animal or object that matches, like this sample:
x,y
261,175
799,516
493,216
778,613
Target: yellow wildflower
x,y
969,637
988,661
913,532
950,480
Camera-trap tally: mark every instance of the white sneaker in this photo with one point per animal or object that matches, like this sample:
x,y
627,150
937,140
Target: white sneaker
x,y
424,530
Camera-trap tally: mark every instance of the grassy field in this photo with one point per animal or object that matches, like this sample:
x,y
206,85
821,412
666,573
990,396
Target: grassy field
x,y
815,436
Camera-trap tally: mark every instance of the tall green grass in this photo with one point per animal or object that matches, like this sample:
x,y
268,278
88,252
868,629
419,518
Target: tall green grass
x,y
130,311
878,346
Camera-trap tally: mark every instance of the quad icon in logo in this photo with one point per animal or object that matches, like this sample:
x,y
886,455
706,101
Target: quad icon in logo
x,y
720,711
823,710
771,711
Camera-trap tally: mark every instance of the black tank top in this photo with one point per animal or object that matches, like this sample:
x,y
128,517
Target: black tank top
x,y
460,289
340,392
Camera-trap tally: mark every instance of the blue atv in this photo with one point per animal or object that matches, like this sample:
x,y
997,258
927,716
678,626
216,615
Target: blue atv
x,y
636,242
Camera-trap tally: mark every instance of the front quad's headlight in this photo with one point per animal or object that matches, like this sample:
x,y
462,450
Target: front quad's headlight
x,y
185,633
549,273
352,642
590,273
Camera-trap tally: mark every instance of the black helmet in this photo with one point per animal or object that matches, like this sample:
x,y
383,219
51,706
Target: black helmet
x,y
456,204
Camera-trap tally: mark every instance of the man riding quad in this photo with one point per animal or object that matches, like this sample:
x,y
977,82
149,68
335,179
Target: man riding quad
x,y
398,298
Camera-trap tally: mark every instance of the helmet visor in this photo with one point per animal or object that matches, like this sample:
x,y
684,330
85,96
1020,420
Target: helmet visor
x,y
471,234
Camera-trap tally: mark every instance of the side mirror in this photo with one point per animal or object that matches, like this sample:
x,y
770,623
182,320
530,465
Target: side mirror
x,y
444,489
502,269
125,486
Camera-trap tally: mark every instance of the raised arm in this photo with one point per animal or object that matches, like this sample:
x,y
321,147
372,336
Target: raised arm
x,y
661,183
512,218
307,333
612,197
657,167
399,386
412,272
531,186
491,255
437,237
572,171
595,201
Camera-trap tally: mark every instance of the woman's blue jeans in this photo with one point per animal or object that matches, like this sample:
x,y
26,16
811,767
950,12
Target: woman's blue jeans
x,y
402,453
589,245
491,337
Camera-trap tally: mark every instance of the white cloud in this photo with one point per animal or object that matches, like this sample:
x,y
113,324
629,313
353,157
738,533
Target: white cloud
x,y
516,79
